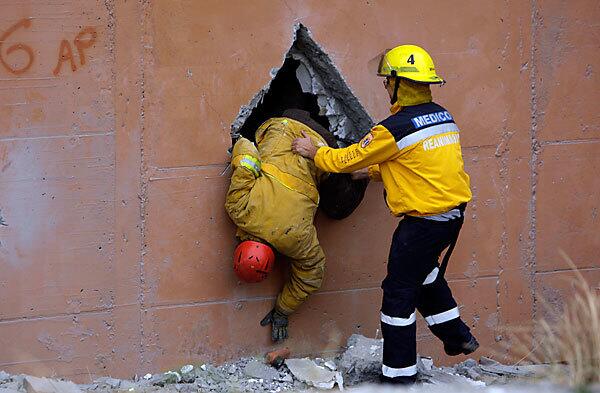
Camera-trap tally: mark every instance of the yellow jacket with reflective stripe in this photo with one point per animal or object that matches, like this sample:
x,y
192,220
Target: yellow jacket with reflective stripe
x,y
273,198
416,153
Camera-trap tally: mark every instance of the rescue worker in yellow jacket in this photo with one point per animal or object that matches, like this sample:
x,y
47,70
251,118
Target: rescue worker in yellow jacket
x,y
416,153
273,199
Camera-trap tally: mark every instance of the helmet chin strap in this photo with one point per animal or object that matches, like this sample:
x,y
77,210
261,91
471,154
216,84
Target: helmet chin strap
x,y
396,86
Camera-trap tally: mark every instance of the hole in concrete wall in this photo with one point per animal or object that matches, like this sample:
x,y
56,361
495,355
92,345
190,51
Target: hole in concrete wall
x,y
285,92
307,80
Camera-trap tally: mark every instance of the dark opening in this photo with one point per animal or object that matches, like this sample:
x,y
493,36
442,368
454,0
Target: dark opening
x,y
284,93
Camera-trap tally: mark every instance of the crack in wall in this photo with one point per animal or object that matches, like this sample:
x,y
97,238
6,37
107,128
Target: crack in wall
x,y
318,76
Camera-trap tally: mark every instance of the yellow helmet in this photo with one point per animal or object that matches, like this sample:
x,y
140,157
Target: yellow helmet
x,y
410,62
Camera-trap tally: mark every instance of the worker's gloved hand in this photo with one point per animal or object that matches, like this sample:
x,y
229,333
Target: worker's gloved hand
x,y
279,324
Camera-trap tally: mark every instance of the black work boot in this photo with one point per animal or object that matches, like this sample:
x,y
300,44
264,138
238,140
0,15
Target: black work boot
x,y
398,380
463,349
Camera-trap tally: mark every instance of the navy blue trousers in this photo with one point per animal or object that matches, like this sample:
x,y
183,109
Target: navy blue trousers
x,y
414,282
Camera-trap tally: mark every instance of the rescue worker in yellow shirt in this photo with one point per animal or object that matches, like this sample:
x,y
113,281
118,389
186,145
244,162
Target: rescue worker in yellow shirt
x,y
416,153
272,199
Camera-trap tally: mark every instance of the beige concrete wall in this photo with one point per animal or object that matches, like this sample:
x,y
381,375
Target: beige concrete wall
x,y
114,125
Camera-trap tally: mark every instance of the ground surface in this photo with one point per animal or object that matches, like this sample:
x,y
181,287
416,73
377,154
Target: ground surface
x,y
356,370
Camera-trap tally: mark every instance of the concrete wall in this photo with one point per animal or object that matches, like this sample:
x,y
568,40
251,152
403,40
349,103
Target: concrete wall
x,y
114,124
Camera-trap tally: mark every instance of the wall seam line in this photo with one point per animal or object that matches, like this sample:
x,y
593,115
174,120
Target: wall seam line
x,y
534,158
143,174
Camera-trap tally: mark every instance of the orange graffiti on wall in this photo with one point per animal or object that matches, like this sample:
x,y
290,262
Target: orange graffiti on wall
x,y
84,40
27,49
65,53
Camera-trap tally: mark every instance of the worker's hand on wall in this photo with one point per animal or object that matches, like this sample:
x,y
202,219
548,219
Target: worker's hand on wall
x,y
360,174
279,324
304,146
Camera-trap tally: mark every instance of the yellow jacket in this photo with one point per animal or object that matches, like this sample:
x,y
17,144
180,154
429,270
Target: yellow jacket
x,y
416,153
279,205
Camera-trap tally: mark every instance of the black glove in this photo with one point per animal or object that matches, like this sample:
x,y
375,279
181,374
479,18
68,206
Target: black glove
x,y
279,324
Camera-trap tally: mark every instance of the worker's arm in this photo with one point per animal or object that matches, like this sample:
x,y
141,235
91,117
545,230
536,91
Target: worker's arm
x,y
377,146
374,173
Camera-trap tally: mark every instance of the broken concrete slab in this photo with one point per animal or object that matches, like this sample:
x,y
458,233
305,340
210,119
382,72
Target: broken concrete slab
x,y
187,373
47,385
6,390
259,370
424,363
170,377
309,372
112,383
446,376
494,367
13,385
361,362
4,376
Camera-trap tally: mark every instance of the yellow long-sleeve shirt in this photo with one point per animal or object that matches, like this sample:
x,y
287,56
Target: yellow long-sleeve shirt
x,y
416,153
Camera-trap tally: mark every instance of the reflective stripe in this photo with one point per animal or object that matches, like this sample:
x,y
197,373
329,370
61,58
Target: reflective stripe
x,y
442,317
449,215
431,276
292,182
399,372
425,133
251,163
394,321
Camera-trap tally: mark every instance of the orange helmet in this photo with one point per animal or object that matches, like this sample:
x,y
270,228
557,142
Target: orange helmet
x,y
253,261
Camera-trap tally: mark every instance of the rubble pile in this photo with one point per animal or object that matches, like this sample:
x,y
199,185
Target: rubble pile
x,y
357,368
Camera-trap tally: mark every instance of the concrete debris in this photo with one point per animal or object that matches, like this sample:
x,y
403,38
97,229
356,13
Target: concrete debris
x,y
186,369
232,369
424,363
4,376
309,372
6,390
170,377
256,369
47,385
112,383
494,367
361,362
490,371
357,366
187,373
446,377
330,365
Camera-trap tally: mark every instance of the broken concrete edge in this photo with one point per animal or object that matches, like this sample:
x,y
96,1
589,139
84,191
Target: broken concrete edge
x,y
335,87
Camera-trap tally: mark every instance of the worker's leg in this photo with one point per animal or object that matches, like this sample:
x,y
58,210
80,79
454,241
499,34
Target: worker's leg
x,y
245,162
401,289
440,311
306,276
436,303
